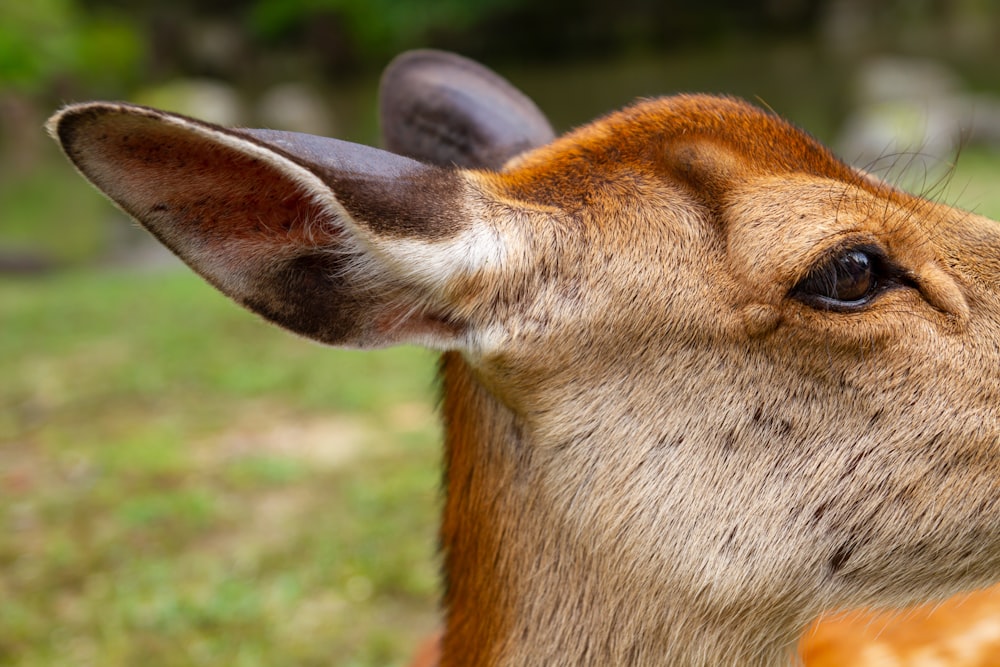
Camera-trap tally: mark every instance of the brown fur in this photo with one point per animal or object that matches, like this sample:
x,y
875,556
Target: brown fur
x,y
659,450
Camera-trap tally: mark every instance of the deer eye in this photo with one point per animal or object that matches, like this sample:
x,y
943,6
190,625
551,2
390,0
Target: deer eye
x,y
847,280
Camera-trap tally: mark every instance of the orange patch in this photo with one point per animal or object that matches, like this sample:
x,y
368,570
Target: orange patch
x,y
961,632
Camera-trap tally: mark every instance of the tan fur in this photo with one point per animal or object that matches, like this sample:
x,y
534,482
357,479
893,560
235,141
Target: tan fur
x,y
657,451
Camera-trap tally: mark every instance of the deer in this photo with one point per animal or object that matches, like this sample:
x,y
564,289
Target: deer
x,y
702,381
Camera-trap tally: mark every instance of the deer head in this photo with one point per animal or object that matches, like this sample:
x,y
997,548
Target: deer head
x,y
702,380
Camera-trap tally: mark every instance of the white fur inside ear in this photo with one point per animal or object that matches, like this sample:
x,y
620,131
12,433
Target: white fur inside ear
x,y
440,270
436,263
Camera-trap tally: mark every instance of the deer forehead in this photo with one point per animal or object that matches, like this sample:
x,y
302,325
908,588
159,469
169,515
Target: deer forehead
x,y
664,189
682,174
702,143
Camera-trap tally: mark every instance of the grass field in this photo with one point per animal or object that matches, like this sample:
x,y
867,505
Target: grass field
x,y
181,484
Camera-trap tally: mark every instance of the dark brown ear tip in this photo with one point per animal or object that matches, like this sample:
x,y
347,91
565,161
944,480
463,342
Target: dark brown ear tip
x,y
61,124
65,124
68,123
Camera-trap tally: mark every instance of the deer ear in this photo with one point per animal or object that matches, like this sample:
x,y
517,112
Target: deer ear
x,y
342,243
447,110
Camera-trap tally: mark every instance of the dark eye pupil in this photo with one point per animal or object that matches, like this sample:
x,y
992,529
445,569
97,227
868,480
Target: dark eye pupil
x,y
848,278
853,276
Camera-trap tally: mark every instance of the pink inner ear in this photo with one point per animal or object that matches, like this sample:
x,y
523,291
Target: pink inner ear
x,y
195,191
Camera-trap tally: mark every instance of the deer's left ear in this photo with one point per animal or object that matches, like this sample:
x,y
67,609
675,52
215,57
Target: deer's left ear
x,y
441,108
342,243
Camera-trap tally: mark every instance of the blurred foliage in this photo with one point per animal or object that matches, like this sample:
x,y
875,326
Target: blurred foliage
x,y
97,45
377,28
43,41
36,41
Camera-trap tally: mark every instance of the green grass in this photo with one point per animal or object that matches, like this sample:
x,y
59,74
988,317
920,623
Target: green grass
x,y
167,496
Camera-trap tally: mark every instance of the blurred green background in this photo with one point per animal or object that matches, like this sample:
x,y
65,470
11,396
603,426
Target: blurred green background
x,y
181,484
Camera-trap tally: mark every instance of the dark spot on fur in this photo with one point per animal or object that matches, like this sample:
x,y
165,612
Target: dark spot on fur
x,y
777,427
875,418
730,540
852,466
564,445
668,440
819,512
729,442
840,557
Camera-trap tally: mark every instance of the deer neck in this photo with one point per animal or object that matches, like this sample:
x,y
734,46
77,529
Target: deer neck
x,y
524,588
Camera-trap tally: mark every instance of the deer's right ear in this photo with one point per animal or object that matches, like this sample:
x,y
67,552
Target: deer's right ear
x,y
342,243
441,108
